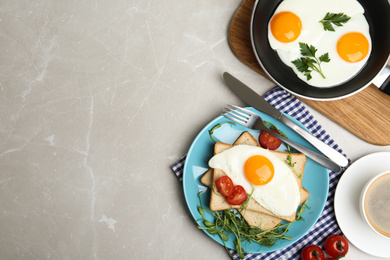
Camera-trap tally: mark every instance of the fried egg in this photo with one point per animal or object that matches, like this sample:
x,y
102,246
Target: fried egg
x,y
254,168
298,21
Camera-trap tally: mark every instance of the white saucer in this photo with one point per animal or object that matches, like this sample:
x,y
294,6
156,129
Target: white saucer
x,y
346,204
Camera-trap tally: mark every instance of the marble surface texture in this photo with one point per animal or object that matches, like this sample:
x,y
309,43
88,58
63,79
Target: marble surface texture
x,y
97,100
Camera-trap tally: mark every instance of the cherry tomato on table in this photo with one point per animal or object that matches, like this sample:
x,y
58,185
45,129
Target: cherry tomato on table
x,y
336,246
225,186
268,141
312,252
238,196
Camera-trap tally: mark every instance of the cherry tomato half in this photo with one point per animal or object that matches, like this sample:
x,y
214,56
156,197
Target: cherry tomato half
x,y
238,196
336,246
268,141
225,186
312,252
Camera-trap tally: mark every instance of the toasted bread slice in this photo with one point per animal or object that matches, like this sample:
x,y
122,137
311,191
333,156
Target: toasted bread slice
x,y
207,178
256,219
218,202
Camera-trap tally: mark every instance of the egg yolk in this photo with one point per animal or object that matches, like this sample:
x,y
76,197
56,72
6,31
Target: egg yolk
x,y
286,26
259,170
353,47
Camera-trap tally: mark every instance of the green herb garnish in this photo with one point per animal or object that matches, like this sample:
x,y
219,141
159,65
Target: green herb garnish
x,y
290,163
231,222
272,126
310,62
211,131
336,19
244,205
288,160
301,210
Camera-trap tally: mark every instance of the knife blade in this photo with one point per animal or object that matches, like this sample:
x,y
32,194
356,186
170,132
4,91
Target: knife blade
x,y
250,97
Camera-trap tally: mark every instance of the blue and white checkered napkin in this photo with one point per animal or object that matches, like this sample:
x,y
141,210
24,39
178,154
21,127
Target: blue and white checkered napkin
x,y
326,224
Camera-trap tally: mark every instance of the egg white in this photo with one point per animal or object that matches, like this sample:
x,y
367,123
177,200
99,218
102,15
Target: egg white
x,y
281,195
311,12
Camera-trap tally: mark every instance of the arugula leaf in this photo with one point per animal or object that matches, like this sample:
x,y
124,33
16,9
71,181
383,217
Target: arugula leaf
x,y
231,222
290,163
302,209
310,62
336,19
211,131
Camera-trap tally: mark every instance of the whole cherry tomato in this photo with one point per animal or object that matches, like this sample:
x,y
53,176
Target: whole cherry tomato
x,y
225,186
269,141
336,246
238,196
312,252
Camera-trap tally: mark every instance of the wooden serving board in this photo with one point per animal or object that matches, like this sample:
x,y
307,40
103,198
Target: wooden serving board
x,y
365,114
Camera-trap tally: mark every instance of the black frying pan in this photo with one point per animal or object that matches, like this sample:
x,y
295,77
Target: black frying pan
x,y
377,13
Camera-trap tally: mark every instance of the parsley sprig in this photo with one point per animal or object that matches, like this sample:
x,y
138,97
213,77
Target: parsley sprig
x,y
336,19
309,62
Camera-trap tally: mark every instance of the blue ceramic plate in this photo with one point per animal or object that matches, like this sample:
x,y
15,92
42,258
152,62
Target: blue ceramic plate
x,y
315,180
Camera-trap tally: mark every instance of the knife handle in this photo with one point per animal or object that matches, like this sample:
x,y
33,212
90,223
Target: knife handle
x,y
328,151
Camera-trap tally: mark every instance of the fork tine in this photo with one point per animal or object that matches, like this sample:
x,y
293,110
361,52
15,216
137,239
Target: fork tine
x,y
236,116
233,119
242,109
231,110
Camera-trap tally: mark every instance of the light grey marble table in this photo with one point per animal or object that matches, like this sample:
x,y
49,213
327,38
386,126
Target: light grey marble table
x,y
97,100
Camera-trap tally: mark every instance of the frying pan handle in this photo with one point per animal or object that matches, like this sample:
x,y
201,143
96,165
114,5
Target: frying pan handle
x,y
382,80
385,87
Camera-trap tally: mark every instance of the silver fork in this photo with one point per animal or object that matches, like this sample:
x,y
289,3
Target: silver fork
x,y
251,120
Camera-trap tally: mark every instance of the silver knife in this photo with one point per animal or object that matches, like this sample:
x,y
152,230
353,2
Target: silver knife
x,y
253,99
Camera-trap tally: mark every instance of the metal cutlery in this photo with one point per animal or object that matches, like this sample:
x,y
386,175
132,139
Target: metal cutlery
x,y
258,102
251,120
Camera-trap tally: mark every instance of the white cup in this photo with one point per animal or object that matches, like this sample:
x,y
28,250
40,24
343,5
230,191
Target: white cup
x,y
374,205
